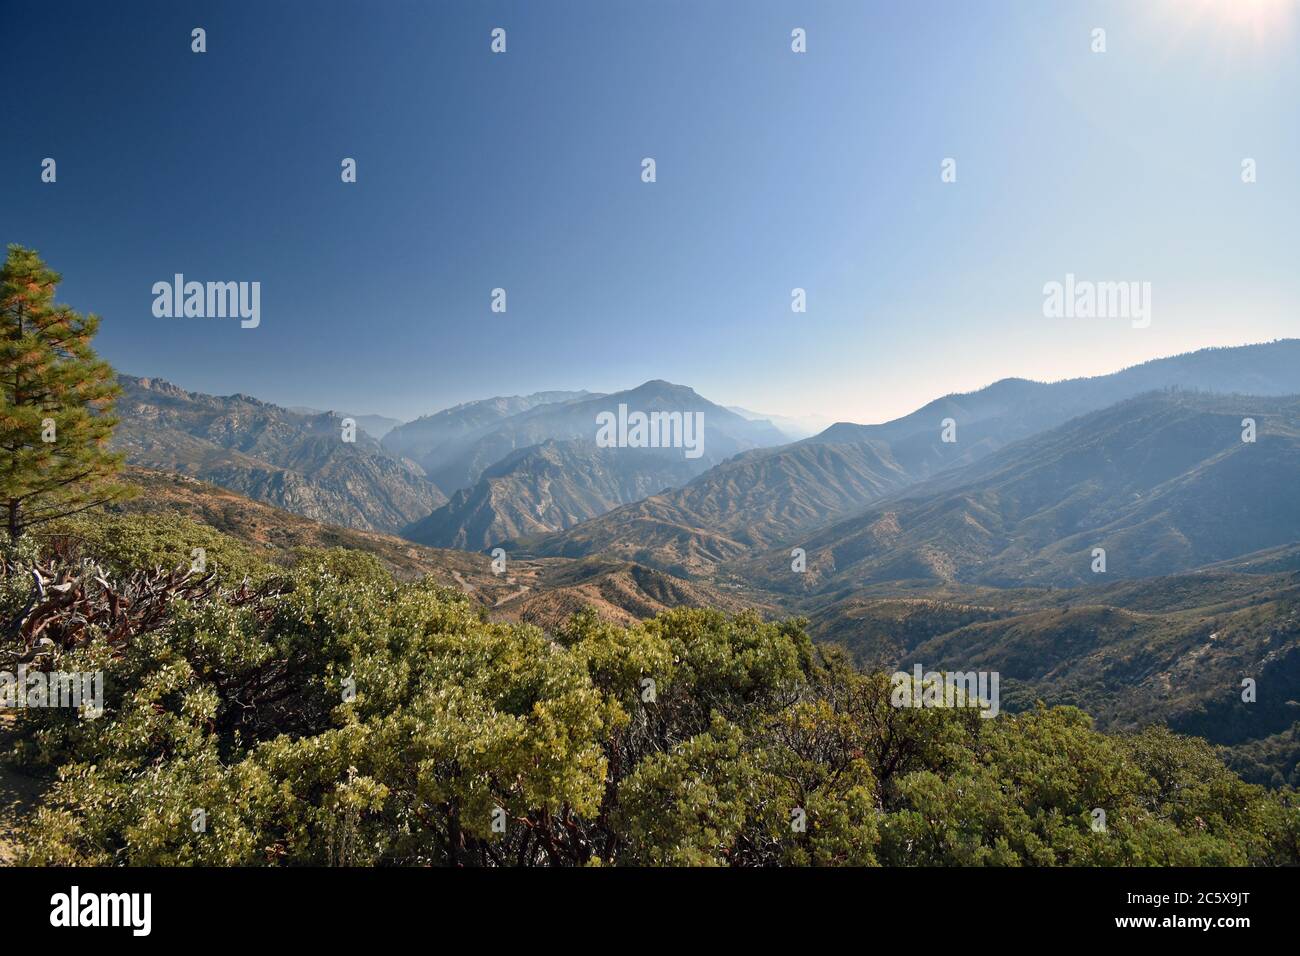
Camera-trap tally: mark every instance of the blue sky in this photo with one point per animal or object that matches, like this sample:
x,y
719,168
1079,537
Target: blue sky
x,y
775,170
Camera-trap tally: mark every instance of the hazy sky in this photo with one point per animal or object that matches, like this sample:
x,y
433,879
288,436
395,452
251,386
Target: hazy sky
x,y
775,170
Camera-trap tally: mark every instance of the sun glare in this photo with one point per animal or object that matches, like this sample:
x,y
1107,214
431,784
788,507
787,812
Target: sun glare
x,y
1263,20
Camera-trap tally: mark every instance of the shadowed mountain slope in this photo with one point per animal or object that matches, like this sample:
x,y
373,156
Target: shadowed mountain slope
x,y
755,500
1163,483
1171,650
546,488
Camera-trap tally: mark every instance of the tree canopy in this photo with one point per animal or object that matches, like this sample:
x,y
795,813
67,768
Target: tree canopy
x,y
56,401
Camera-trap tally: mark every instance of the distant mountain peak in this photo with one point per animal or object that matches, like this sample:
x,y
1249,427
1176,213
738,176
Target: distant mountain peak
x,y
159,385
532,399
659,387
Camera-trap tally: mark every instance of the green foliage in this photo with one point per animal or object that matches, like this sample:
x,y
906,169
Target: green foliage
x,y
56,400
123,542
695,738
1273,761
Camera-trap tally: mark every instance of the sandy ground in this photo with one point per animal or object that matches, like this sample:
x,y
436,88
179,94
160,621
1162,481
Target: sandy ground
x,y
19,793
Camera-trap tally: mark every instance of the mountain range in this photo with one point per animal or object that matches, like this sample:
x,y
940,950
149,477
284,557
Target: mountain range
x,y
753,501
376,426
543,592
979,552
431,440
465,443
525,470
547,487
549,474
512,465
1015,408
781,494
1162,483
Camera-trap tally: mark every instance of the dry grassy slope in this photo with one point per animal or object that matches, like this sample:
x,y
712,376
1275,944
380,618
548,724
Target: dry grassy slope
x,y
621,591
543,591
276,532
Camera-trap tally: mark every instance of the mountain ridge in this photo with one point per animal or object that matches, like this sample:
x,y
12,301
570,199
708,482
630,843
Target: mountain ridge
x,y
1162,482
985,421
299,462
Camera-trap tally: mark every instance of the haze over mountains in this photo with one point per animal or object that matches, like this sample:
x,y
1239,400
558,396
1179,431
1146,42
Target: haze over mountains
x,y
548,487
432,440
802,426
478,439
376,426
1015,408
549,473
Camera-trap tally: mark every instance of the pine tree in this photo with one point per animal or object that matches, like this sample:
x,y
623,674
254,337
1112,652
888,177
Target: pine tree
x,y
56,401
